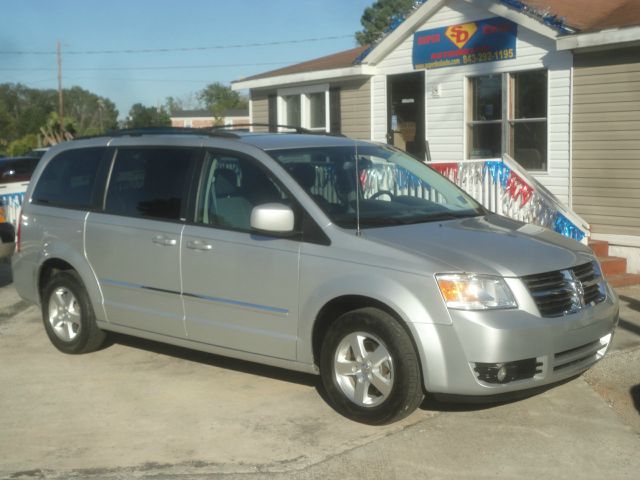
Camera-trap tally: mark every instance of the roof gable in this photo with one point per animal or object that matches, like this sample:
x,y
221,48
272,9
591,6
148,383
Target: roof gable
x,y
550,18
542,23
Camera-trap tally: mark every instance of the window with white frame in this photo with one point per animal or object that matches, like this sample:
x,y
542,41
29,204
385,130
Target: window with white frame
x,y
508,113
306,107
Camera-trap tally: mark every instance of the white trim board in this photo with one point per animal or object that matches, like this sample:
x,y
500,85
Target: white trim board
x,y
603,38
621,240
295,78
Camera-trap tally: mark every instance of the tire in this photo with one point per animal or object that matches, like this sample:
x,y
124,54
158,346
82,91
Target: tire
x,y
68,316
369,368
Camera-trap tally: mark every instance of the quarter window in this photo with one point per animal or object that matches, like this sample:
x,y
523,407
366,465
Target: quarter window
x,y
68,179
508,113
150,182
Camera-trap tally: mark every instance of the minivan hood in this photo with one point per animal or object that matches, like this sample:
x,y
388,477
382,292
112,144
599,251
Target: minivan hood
x,y
491,244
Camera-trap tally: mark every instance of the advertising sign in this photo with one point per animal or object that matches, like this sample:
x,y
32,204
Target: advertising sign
x,y
489,40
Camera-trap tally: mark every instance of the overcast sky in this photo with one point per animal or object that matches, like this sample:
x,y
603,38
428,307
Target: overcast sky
x,y
87,28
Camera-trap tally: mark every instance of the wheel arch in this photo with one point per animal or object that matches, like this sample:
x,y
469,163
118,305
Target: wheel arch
x,y
54,263
336,307
48,269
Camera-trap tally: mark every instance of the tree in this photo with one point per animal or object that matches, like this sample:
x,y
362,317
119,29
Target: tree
x,y
219,98
185,102
25,111
57,129
141,116
377,18
90,113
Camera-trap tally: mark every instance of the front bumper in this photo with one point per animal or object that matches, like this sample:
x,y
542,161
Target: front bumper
x,y
560,347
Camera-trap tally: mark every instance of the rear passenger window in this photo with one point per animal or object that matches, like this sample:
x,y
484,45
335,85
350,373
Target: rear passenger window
x,y
149,182
69,178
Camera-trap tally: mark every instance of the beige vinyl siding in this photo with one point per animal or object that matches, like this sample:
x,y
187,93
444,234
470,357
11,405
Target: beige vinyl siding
x,y
355,109
606,141
260,108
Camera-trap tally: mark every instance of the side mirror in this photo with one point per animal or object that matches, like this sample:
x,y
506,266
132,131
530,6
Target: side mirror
x,y
272,217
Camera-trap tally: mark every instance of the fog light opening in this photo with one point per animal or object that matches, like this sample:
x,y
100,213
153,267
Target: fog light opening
x,y
506,372
502,372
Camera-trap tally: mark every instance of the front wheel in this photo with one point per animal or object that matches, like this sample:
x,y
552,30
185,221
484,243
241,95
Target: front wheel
x,y
68,315
369,367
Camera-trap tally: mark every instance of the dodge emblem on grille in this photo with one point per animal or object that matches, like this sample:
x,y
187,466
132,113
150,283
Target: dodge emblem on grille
x,y
577,290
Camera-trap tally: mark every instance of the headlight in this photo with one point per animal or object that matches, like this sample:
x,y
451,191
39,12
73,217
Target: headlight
x,y
475,292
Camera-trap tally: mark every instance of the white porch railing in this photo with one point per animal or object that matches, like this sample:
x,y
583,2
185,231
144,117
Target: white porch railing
x,y
504,187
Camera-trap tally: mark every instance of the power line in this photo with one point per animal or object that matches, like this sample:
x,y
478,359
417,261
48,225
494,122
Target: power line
x,y
157,67
174,49
134,79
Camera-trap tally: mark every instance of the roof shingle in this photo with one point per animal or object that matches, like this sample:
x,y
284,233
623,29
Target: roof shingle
x,y
337,60
592,15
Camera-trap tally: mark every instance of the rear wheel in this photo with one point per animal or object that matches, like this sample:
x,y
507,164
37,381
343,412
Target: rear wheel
x,y
369,367
68,316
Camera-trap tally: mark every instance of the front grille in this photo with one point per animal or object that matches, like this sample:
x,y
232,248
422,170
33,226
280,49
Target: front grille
x,y
587,275
566,291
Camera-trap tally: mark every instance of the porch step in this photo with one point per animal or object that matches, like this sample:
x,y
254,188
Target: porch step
x,y
623,280
599,247
613,265
613,268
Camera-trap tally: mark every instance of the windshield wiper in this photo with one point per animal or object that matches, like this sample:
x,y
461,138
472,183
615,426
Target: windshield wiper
x,y
434,217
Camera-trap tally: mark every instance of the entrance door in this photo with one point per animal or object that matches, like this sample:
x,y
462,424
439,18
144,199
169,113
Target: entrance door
x,y
405,113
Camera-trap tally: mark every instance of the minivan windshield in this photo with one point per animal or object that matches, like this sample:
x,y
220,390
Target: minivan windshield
x,y
388,186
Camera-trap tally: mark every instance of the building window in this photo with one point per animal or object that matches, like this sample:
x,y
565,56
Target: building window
x,y
485,127
305,107
508,113
292,110
318,111
188,123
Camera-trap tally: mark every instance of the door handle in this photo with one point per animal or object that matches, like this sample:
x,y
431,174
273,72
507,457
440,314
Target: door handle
x,y
199,245
165,241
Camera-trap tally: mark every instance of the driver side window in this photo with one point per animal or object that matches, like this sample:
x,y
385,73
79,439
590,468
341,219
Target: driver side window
x,y
230,187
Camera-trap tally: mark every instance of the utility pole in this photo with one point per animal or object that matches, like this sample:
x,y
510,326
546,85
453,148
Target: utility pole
x,y
60,108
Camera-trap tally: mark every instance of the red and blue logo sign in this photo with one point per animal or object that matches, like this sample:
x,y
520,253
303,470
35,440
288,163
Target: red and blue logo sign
x,y
489,40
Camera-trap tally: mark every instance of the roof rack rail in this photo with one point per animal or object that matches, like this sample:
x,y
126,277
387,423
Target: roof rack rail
x,y
134,132
295,128
268,125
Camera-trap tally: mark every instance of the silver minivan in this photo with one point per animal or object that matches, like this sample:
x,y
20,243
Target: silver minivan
x,y
315,253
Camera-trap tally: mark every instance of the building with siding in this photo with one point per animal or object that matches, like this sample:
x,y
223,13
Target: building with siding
x,y
553,83
203,118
